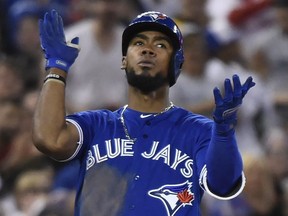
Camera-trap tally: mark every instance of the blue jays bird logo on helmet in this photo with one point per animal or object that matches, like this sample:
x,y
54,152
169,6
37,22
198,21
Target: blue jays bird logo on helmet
x,y
174,196
156,21
154,16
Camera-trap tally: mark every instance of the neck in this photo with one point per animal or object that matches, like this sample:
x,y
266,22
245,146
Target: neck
x,y
154,102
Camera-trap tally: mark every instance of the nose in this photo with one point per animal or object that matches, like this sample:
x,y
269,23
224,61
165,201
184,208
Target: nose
x,y
148,51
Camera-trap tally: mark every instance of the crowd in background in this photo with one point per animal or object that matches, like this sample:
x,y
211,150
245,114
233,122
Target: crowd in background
x,y
221,37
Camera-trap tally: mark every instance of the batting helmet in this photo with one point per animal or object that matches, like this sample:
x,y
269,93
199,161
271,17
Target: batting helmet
x,y
157,21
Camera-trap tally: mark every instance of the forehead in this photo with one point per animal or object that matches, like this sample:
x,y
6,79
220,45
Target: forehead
x,y
155,35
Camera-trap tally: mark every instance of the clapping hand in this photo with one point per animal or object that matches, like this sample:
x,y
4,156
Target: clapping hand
x,y
58,53
227,106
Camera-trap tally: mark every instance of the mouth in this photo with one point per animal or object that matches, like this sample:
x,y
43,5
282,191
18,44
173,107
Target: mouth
x,y
146,64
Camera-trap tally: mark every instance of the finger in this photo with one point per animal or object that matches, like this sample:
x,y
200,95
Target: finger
x,y
228,91
217,97
42,29
74,43
54,22
247,85
61,28
54,17
58,25
237,86
47,25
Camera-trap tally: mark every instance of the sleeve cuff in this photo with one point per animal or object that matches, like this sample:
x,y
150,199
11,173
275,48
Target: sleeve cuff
x,y
204,186
79,143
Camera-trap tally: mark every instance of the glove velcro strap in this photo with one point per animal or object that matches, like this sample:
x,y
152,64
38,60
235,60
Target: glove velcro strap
x,y
230,112
57,63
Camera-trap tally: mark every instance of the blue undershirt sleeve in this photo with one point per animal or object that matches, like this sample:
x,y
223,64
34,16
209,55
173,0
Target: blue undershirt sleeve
x,y
223,161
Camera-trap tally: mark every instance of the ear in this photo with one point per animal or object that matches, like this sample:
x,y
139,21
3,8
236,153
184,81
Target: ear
x,y
124,63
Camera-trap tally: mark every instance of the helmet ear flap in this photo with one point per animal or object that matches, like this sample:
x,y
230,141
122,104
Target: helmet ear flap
x,y
176,66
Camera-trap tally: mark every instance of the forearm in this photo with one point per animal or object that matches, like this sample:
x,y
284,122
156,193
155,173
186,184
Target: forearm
x,y
50,132
223,161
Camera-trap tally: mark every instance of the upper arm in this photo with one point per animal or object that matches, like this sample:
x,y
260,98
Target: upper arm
x,y
60,147
71,140
76,140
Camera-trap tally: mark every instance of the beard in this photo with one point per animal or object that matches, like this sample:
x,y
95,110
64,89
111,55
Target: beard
x,y
145,83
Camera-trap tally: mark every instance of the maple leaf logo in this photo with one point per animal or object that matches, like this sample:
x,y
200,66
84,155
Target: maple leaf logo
x,y
174,196
185,196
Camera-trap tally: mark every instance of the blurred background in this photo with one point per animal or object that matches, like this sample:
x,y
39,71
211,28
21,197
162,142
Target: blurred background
x,y
221,38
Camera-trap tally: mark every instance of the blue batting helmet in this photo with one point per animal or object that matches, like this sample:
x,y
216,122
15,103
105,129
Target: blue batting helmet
x,y
157,21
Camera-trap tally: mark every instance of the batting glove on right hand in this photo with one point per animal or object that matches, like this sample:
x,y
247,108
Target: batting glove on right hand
x,y
58,52
226,107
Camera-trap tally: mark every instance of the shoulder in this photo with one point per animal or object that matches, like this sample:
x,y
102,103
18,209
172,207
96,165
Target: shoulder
x,y
191,126
187,117
94,115
92,121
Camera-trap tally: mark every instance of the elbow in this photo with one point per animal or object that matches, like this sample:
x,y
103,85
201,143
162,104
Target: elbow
x,y
48,146
41,143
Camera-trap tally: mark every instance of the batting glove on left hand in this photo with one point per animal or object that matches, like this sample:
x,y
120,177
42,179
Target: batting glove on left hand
x,y
226,108
58,52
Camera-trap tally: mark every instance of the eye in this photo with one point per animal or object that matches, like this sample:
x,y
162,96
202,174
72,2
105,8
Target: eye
x,y
166,192
161,45
138,43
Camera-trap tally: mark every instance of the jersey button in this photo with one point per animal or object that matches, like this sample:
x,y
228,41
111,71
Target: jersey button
x,y
145,136
148,123
136,178
132,207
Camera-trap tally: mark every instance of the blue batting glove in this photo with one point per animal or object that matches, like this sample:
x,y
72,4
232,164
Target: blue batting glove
x,y
58,52
226,108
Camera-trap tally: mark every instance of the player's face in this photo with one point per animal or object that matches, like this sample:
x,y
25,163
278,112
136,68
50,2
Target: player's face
x,y
147,61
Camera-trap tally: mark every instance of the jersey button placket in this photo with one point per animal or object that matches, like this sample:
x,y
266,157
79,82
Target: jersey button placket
x,y
148,123
132,205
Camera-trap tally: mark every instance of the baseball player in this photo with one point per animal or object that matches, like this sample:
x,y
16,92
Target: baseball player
x,y
149,157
